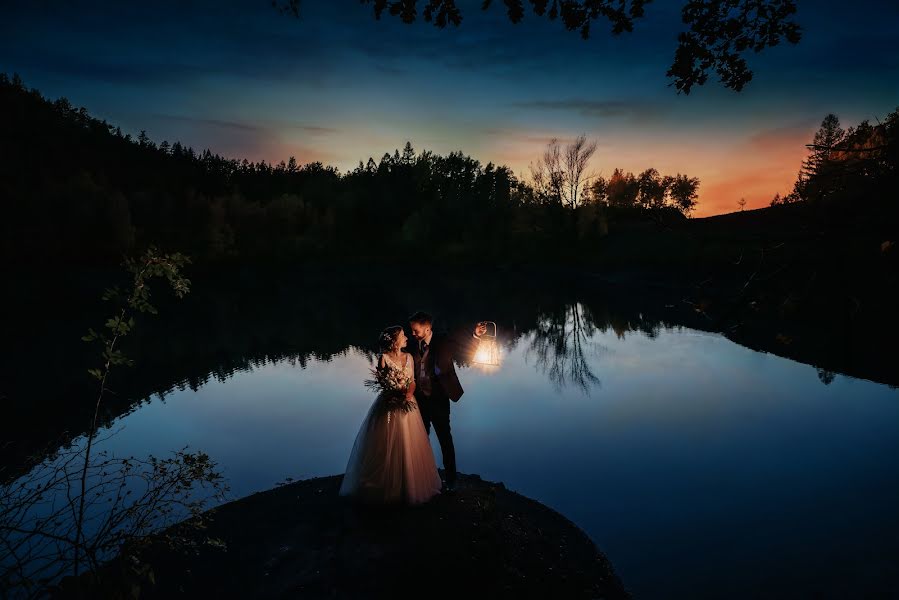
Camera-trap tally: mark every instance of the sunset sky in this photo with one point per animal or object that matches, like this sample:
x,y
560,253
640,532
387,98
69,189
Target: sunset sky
x,y
337,86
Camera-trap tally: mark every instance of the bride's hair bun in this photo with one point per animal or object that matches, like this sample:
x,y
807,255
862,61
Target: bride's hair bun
x,y
388,337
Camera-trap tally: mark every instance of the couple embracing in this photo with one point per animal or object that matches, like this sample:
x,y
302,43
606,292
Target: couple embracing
x,y
391,461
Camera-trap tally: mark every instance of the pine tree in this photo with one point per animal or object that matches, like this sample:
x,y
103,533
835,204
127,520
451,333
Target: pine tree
x,y
408,154
827,138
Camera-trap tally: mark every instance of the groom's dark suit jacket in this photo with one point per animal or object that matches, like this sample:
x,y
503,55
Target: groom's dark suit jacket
x,y
443,349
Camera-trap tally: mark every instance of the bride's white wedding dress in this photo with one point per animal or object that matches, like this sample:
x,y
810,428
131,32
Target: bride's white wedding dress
x,y
391,460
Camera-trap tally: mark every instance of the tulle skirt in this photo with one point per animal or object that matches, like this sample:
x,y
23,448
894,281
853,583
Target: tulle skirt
x,y
391,461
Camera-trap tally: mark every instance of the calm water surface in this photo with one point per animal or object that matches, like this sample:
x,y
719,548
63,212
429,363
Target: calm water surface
x,y
693,462
700,467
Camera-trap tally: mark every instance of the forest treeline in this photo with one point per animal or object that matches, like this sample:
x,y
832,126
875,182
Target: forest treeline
x,y
76,188
849,168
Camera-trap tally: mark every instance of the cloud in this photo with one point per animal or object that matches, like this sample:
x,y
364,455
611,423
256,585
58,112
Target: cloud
x,y
788,137
218,123
269,141
761,165
260,128
635,110
315,129
390,70
84,68
519,136
140,44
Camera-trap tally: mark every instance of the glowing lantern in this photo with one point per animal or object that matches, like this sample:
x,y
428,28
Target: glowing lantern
x,y
487,353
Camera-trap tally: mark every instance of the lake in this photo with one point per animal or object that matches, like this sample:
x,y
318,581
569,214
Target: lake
x,y
702,468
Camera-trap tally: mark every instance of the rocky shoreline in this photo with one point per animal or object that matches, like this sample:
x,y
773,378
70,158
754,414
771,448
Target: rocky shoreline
x,y
302,540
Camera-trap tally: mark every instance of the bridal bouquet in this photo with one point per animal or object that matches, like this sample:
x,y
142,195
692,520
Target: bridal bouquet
x,y
392,385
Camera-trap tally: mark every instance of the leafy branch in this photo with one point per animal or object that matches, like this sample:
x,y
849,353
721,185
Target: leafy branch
x,y
719,32
152,264
75,510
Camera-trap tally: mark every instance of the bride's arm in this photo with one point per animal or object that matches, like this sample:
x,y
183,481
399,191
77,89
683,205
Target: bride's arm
x,y
410,392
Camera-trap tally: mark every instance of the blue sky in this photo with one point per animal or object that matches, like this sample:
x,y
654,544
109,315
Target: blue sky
x,y
338,86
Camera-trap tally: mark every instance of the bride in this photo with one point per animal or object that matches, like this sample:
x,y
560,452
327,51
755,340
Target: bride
x,y
391,460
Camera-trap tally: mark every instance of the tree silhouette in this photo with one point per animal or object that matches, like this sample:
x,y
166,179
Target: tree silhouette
x,y
577,155
622,189
559,176
858,164
825,142
683,192
719,32
79,190
598,191
826,377
560,344
547,176
652,188
649,192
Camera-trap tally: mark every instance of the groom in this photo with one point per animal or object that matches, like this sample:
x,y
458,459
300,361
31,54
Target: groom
x,y
436,382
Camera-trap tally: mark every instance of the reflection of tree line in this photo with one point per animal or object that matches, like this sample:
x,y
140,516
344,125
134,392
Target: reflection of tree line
x,y
563,341
240,320
560,344
300,323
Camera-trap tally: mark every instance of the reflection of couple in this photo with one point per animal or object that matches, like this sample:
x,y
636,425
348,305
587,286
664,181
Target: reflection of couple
x,y
391,460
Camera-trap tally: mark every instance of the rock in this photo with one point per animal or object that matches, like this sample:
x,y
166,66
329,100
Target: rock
x,y
303,540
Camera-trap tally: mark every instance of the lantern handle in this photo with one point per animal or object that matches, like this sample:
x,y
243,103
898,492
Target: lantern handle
x,y
485,323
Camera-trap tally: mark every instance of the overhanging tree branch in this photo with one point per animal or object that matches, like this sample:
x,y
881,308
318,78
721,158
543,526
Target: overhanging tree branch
x,y
719,32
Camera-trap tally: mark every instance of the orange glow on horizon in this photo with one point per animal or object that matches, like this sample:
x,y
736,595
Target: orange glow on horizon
x,y
755,167
729,166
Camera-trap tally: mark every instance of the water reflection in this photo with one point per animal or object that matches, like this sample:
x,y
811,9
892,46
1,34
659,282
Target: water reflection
x,y
561,346
685,455
826,376
235,322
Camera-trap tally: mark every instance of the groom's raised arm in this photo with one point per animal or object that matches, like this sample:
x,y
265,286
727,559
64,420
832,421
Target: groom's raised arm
x,y
464,343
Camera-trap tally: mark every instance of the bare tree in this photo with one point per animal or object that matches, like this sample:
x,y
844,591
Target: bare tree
x,y
560,176
577,155
129,504
547,173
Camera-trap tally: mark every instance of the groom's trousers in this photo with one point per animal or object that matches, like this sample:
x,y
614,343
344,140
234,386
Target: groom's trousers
x,y
435,409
